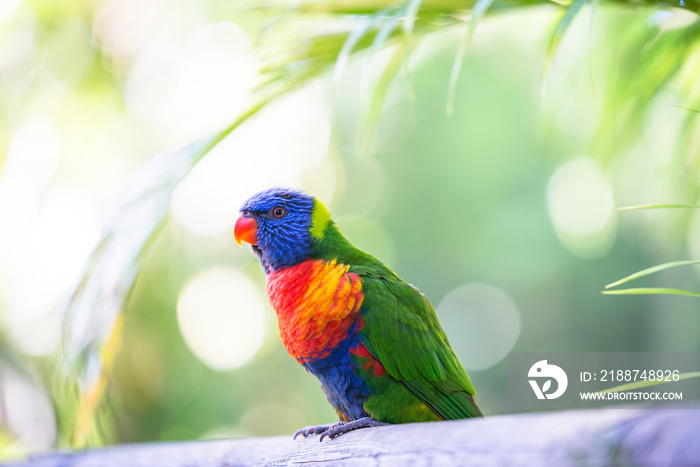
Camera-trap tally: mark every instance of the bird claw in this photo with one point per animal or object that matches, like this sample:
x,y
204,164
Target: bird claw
x,y
312,430
336,429
339,428
333,431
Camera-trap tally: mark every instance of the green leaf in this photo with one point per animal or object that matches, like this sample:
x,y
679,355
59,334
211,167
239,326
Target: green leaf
x,y
644,384
594,4
410,14
353,39
479,10
658,206
651,291
94,311
651,57
686,108
385,31
652,270
555,39
93,314
367,129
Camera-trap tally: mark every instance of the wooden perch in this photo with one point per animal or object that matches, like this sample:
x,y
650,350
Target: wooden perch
x,y
634,437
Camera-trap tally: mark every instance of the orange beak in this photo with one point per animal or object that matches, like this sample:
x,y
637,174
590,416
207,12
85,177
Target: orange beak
x,y
246,230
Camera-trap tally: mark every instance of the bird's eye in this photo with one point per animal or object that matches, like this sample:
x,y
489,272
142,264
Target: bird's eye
x,y
278,211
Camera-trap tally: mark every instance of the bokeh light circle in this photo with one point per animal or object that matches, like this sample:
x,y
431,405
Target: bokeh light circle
x,y
221,315
285,145
581,207
482,324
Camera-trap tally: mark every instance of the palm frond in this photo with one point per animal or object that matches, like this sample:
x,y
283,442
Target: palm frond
x,y
646,384
352,41
479,10
651,270
411,12
651,58
658,206
652,291
93,314
556,37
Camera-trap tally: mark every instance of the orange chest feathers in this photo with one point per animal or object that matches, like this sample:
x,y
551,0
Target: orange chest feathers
x,y
317,303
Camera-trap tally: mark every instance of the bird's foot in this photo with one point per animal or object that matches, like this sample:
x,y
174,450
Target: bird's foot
x,y
312,430
339,428
336,429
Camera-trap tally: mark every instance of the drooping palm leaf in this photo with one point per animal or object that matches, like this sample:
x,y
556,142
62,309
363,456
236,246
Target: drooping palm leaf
x,y
567,18
479,10
93,314
653,269
658,206
652,291
648,383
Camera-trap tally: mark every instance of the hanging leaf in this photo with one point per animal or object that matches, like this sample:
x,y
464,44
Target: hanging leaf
x,y
479,10
651,291
652,270
646,384
349,46
93,314
554,40
386,29
658,206
594,4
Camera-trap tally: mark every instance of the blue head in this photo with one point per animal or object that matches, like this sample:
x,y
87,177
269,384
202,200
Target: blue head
x,y
282,225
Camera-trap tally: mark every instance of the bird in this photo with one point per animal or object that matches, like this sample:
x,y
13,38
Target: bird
x,y
372,339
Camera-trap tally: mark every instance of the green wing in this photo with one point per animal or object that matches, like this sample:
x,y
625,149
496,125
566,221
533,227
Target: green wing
x,y
402,332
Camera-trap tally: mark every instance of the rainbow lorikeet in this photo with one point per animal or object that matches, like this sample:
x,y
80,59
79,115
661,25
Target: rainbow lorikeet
x,y
373,340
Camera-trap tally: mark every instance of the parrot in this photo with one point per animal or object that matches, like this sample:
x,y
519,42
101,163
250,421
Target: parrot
x,y
373,340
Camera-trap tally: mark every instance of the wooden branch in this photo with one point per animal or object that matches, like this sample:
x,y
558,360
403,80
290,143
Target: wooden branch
x,y
639,437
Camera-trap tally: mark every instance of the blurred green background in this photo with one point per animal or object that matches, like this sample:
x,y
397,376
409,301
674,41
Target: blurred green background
x,y
504,214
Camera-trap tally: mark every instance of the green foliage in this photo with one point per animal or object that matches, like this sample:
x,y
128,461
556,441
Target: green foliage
x,y
307,56
658,206
646,384
479,10
567,18
298,44
652,270
652,291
